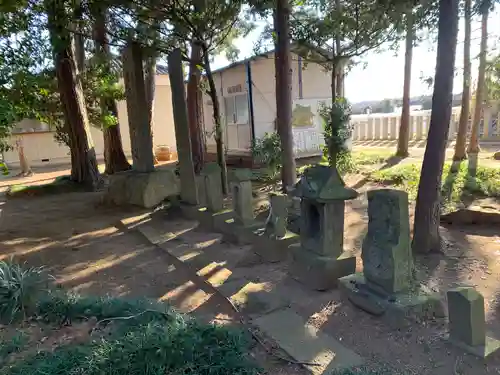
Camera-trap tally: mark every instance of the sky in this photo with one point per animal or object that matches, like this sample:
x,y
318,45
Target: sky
x,y
380,75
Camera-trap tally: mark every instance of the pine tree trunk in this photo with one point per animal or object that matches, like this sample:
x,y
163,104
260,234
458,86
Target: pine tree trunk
x,y
284,92
339,66
83,158
150,82
473,147
404,128
137,109
219,140
194,108
460,152
426,236
114,157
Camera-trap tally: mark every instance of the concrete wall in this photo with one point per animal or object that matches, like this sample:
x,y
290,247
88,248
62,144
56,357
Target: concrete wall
x,y
41,148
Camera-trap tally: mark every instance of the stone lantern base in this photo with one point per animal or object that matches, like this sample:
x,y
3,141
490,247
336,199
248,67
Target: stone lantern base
x,y
319,272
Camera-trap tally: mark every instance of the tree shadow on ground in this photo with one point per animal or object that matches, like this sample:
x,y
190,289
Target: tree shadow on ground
x,y
390,162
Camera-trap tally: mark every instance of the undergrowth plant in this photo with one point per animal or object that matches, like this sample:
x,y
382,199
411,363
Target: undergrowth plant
x,y
20,289
336,131
267,151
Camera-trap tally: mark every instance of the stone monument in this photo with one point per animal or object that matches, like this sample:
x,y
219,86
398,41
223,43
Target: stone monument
x,y
272,241
467,322
210,193
240,223
319,260
387,286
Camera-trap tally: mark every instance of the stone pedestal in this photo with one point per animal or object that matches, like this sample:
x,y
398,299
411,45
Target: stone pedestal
x,y
241,191
320,259
386,286
272,241
467,322
142,189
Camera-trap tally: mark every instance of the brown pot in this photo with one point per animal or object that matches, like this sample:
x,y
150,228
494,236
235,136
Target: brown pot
x,y
163,153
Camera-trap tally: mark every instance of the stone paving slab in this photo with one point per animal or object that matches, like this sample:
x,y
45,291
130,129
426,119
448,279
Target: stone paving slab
x,y
305,343
253,299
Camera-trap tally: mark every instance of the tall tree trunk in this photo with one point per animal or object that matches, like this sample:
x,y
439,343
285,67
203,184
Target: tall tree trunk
x,y
473,147
284,92
137,108
460,152
339,68
83,159
24,163
78,37
426,236
219,140
404,128
194,108
114,157
150,82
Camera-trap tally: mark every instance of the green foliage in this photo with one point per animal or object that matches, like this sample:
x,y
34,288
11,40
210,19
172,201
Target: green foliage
x,y
336,131
13,345
267,150
19,289
153,340
4,169
456,186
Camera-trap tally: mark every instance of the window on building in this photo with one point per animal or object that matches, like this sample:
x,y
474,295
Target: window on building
x,y
236,109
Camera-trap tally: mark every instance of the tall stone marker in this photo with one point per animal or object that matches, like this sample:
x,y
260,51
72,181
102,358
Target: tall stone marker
x,y
241,189
212,187
467,322
386,286
189,192
319,260
278,215
141,139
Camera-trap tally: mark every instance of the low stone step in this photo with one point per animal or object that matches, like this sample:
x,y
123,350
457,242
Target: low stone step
x,y
305,343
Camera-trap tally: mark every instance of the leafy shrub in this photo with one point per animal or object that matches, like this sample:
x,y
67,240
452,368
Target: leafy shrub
x,y
336,131
20,289
267,151
4,169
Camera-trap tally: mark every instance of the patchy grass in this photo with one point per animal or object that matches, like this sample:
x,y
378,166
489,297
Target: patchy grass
x,y
61,184
15,344
457,187
141,337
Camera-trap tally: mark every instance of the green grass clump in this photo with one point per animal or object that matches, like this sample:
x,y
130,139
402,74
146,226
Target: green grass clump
x,y
13,345
146,338
457,186
20,289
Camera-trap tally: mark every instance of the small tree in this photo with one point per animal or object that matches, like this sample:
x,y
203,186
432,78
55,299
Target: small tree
x,y
267,151
337,129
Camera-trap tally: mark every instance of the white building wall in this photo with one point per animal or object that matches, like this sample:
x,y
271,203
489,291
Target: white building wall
x,y
41,148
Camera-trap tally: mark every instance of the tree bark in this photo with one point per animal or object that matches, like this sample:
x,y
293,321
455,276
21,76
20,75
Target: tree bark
x,y
473,147
150,82
460,152
114,157
404,128
194,108
137,109
339,66
284,92
83,158
426,236
212,91
24,163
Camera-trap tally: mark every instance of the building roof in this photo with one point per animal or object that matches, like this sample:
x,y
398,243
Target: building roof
x,y
161,69
306,52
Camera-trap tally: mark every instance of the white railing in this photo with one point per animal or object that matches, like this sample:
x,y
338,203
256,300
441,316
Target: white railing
x,y
385,126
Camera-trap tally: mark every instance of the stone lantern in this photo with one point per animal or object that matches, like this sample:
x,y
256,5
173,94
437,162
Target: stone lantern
x,y
319,260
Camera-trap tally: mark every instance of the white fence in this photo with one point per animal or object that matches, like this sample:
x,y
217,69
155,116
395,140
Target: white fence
x,y
381,126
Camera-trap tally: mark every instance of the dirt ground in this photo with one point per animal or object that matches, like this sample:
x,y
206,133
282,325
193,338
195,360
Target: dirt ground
x,y
86,248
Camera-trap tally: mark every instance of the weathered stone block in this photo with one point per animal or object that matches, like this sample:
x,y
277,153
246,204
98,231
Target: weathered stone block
x,y
207,219
212,187
386,252
278,216
319,272
466,313
271,248
242,202
142,189
467,322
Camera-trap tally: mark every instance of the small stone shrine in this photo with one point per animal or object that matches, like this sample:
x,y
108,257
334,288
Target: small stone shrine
x,y
386,286
467,322
272,241
319,260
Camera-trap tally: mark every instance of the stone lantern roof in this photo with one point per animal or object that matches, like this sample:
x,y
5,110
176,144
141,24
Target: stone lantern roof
x,y
323,184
